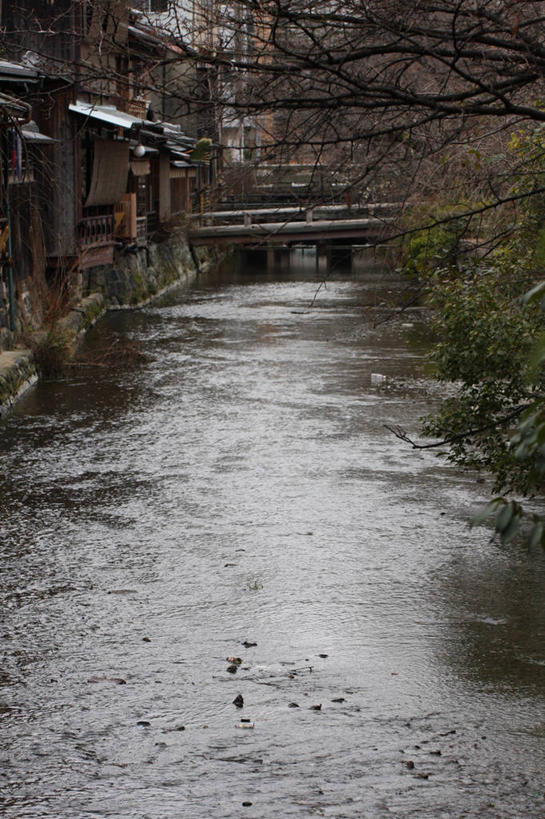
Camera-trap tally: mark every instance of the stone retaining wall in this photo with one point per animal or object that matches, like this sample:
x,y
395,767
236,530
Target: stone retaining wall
x,y
137,277
142,273
17,374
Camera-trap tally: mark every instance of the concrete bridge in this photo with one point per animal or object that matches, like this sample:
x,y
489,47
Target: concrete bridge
x,y
255,228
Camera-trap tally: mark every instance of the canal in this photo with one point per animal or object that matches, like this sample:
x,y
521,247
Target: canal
x,y
234,495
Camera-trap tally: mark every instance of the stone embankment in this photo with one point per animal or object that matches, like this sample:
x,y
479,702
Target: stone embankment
x,y
137,276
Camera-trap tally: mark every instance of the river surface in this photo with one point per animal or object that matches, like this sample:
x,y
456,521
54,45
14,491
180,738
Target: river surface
x,y
239,486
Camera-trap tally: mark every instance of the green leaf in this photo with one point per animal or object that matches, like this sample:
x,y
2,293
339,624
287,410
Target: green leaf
x,y
536,535
537,355
503,518
534,293
485,512
509,533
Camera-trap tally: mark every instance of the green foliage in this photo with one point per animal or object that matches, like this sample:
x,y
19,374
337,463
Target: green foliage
x,y
489,324
436,246
528,441
508,515
201,151
485,339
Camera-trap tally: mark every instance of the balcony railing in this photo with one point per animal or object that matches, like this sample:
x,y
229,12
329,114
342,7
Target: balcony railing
x,y
141,231
96,231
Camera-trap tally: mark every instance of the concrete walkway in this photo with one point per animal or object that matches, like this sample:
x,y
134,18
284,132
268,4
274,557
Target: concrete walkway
x,y
370,228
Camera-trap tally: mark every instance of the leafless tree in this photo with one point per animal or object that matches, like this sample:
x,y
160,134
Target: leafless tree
x,y
383,91
385,95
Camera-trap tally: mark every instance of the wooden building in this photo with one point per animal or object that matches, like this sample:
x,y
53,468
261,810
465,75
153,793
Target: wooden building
x,y
100,171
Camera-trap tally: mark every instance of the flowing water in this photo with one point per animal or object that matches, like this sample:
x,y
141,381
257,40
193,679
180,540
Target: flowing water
x,y
240,486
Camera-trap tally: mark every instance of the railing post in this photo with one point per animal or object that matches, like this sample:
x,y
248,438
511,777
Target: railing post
x,y
321,257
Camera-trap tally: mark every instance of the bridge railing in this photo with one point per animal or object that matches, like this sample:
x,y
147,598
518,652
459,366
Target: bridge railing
x,y
252,216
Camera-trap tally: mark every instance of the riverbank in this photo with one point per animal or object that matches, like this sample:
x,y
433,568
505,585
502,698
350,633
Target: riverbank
x,y
237,494
137,277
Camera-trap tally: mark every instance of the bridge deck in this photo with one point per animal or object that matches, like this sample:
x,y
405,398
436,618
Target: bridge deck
x,y
308,213
281,232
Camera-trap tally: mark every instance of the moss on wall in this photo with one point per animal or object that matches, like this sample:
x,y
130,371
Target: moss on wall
x,y
17,372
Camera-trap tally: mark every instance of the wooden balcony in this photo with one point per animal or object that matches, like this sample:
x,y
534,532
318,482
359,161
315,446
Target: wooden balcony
x,y
96,240
95,231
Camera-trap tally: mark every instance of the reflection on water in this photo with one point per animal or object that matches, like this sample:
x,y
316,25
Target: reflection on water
x,y
239,488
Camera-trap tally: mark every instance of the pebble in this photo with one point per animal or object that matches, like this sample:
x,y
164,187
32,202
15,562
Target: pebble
x,y
232,669
316,707
293,705
238,701
246,804
146,639
338,699
323,656
248,644
144,723
234,660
